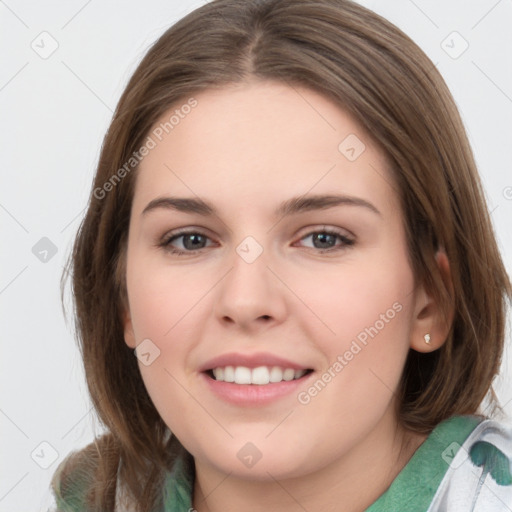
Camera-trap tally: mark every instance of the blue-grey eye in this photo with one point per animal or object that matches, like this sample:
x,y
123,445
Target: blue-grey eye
x,y
324,240
193,241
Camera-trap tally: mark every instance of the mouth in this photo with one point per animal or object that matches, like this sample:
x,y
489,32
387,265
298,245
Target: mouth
x,y
254,379
258,376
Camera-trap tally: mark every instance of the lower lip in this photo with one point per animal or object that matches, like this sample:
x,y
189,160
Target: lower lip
x,y
254,394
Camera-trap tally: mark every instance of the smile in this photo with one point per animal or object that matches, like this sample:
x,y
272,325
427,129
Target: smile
x,y
254,379
260,376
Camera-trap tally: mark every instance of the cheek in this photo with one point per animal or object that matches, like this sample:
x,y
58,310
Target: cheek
x,y
170,306
162,297
358,302
161,315
362,321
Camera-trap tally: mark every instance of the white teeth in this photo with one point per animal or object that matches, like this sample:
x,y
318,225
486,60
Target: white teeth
x,y
299,373
260,376
219,373
229,374
242,375
276,374
288,374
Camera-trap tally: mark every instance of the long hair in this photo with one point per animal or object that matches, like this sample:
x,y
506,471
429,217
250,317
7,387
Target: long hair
x,y
378,75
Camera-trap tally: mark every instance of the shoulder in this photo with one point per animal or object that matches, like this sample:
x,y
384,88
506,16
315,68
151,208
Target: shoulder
x,y
479,476
81,476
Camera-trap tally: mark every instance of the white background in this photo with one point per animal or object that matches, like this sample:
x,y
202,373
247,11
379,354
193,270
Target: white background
x,y
54,113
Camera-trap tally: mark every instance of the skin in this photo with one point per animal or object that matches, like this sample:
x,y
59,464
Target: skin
x,y
245,149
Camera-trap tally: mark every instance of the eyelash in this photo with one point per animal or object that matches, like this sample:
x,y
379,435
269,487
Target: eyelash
x,y
166,242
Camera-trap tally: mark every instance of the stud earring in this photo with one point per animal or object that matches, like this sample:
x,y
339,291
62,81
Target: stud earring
x,y
427,338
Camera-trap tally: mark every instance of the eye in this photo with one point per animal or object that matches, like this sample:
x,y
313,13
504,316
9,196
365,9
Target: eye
x,y
328,240
188,242
185,242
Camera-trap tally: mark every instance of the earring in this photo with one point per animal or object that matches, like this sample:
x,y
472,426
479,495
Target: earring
x,y
427,338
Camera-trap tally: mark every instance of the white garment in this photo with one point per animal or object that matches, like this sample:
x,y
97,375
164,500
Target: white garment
x,y
465,487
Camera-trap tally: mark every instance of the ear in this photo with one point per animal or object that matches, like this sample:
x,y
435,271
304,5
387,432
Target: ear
x,y
129,335
428,316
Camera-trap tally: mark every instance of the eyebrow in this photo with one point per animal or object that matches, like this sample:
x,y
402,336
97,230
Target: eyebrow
x,y
291,206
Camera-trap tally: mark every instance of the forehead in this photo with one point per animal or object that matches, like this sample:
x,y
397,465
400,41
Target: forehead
x,y
261,141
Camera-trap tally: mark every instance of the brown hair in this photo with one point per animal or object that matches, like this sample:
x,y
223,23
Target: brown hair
x,y
377,74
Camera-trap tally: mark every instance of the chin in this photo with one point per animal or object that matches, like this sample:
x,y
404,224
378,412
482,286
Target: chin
x,y
257,462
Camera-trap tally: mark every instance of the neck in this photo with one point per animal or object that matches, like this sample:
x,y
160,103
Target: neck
x,y
355,480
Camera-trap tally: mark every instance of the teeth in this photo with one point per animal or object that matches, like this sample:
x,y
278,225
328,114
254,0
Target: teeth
x,y
218,373
260,376
242,375
288,374
276,374
299,373
229,374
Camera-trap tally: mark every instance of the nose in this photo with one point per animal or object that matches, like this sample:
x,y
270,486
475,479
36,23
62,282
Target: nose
x,y
250,296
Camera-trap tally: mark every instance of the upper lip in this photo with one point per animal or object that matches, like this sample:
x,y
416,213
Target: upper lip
x,y
250,361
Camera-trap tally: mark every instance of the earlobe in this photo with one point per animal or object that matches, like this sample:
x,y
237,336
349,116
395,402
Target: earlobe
x,y
431,324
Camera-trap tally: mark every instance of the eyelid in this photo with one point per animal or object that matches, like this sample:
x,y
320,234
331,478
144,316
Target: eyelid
x,y
325,228
177,233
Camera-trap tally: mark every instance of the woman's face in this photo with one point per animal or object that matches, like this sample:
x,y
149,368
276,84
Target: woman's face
x,y
266,243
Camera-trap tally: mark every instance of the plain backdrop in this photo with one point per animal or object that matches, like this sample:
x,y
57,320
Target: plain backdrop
x,y
65,65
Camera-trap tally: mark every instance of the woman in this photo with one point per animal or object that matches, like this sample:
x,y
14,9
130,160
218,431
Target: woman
x,y
288,230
